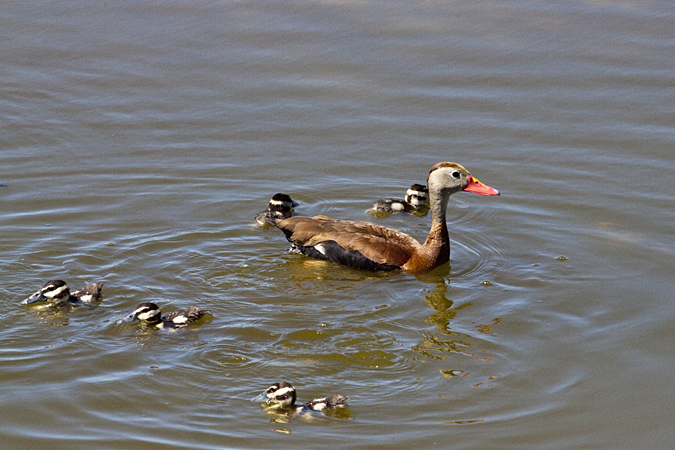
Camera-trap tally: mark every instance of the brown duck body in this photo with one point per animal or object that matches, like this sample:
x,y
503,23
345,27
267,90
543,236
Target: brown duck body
x,y
364,245
383,246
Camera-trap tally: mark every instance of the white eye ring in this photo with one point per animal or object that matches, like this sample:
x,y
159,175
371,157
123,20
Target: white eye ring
x,y
455,174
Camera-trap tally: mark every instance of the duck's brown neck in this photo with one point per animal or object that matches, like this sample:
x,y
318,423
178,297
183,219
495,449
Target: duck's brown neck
x,y
437,245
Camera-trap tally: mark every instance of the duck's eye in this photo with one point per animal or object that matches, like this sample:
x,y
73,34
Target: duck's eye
x,y
456,174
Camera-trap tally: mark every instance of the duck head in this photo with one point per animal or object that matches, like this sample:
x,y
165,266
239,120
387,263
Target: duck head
x,y
147,312
448,178
55,291
281,394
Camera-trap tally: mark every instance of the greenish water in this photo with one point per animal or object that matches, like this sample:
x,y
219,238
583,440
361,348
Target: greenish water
x,y
140,140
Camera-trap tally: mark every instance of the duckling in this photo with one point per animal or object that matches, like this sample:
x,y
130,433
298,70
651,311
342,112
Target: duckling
x,y
416,200
152,315
280,207
57,292
282,396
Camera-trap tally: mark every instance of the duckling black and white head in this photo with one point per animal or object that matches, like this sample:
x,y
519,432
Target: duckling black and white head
x,y
57,292
146,312
281,395
151,314
280,207
417,195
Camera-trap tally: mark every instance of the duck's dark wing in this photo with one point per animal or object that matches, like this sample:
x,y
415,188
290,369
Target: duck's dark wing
x,y
377,243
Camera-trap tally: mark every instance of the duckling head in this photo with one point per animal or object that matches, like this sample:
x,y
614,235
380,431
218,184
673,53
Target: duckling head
x,y
417,195
55,291
283,203
146,312
281,394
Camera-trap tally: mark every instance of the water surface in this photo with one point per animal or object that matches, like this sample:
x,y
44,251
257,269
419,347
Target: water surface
x,y
140,140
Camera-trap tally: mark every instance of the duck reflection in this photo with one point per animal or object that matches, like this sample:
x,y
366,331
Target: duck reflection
x,y
444,342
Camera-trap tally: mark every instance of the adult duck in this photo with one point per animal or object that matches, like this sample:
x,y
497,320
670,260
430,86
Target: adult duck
x,y
367,246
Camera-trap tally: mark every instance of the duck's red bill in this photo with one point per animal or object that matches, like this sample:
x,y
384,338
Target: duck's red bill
x,y
477,187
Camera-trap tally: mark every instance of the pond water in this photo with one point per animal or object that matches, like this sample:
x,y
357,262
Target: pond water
x,y
140,140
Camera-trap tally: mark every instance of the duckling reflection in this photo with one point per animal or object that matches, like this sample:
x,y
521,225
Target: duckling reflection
x,y
280,207
57,293
416,202
280,398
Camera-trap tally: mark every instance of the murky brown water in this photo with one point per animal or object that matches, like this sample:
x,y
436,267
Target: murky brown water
x,y
139,141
